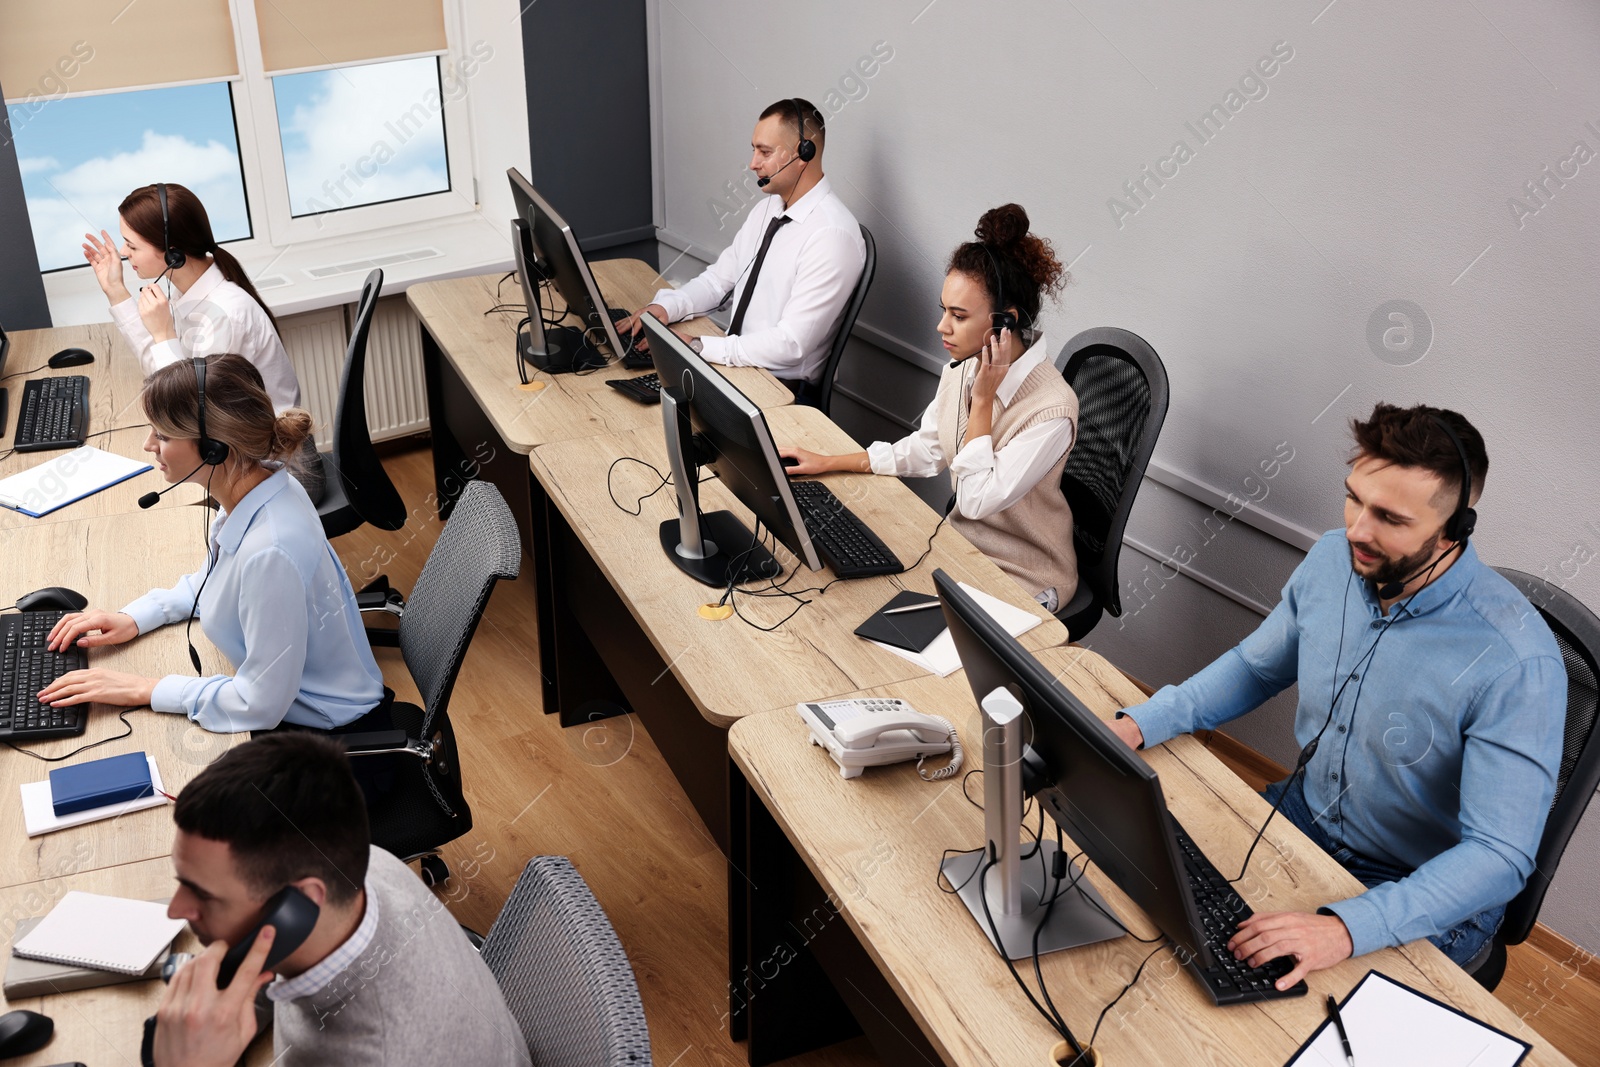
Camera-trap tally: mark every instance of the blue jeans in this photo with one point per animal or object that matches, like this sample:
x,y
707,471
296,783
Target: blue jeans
x,y
1460,942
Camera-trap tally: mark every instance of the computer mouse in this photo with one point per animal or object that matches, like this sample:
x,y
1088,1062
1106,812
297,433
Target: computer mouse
x,y
53,598
70,357
790,461
22,1032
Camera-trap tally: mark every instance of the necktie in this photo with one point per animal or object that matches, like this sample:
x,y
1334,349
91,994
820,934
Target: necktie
x,y
755,273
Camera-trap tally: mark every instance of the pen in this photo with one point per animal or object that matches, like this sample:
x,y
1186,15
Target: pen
x,y
1344,1038
909,607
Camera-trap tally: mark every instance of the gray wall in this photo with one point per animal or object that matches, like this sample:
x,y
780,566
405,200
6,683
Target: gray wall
x,y
22,302
1387,156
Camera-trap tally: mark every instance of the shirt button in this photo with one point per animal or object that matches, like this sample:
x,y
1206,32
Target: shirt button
x,y
1334,776
1336,818
1341,728
1377,623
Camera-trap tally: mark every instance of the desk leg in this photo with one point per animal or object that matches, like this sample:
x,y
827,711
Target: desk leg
x,y
798,978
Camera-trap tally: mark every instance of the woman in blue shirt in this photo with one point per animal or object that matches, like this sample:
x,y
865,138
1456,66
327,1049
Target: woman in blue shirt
x,y
272,596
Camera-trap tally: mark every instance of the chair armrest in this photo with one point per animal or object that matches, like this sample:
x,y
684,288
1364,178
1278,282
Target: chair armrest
x,y
384,742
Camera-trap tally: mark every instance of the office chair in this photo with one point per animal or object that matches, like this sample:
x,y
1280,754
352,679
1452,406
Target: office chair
x,y
564,974
424,807
358,488
830,370
1578,636
1122,402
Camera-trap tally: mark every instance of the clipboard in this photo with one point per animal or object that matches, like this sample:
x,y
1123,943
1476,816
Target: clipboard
x,y
66,479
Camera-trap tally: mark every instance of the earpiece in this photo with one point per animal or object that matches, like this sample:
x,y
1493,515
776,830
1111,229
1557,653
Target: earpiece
x,y
212,453
807,148
1003,319
1464,519
174,256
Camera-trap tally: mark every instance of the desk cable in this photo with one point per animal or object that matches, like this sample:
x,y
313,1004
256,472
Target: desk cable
x,y
127,731
8,453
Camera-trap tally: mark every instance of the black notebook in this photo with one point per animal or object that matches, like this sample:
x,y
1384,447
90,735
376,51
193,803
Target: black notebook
x,y
911,630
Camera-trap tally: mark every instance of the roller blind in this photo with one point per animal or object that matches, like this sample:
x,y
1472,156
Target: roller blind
x,y
68,47
313,34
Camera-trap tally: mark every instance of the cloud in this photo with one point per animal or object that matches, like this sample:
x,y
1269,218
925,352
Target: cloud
x,y
38,164
366,134
84,198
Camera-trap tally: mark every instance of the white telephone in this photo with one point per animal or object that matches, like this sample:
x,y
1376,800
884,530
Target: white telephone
x,y
869,732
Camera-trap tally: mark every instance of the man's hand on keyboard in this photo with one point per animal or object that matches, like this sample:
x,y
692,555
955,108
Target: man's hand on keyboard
x,y
99,687
630,325
91,628
1314,942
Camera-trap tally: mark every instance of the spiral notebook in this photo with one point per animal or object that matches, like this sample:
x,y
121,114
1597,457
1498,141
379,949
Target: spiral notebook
x,y
108,933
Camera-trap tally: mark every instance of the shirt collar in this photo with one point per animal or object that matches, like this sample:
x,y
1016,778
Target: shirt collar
x,y
334,963
1437,593
203,287
231,526
1036,354
808,203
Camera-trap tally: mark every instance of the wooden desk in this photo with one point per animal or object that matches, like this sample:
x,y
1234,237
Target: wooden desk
x,y
115,382
689,679
100,1026
921,977
111,560
484,421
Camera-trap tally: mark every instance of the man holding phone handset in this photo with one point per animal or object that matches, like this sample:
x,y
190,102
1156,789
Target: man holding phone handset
x,y
1003,420
377,972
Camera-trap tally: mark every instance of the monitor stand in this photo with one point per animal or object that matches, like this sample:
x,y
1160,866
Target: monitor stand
x,y
563,349
714,549
1017,891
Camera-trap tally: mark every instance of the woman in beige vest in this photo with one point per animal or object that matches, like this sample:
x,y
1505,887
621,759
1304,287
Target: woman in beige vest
x,y
1003,420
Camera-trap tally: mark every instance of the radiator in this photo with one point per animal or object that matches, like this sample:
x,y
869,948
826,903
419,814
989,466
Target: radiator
x,y
397,395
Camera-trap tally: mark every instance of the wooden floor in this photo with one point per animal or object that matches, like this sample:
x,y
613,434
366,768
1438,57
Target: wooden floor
x,y
603,797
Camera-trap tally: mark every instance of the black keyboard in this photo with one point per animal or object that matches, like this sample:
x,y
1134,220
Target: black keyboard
x,y
54,414
844,542
646,388
27,666
1222,909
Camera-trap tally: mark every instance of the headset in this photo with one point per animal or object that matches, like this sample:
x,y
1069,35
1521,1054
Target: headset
x,y
1464,519
805,151
213,453
174,256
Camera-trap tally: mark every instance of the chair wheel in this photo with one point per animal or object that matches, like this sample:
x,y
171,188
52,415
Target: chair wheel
x,y
434,871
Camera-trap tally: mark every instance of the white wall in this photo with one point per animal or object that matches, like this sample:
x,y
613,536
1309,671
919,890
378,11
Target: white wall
x,y
1378,162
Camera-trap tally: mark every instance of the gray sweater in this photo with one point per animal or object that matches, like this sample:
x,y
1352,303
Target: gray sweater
x,y
418,993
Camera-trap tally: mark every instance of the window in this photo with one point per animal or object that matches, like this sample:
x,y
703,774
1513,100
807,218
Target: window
x,y
80,156
293,120
362,135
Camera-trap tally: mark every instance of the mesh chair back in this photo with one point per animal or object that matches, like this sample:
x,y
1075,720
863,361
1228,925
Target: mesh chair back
x,y
479,546
830,370
564,974
366,484
1122,402
1577,633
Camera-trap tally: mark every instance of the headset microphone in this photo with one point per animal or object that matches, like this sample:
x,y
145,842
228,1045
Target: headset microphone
x,y
149,499
762,183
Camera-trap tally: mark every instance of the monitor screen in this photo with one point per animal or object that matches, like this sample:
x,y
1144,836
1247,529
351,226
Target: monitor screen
x,y
746,460
561,260
1098,790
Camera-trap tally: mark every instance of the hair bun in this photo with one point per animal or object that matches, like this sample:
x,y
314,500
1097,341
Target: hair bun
x,y
1003,226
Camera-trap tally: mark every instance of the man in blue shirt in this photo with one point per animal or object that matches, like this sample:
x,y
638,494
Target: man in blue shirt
x,y
1430,753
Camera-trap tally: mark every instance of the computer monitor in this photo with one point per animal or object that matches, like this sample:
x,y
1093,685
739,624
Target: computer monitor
x,y
536,348
5,349
1101,793
561,260
696,400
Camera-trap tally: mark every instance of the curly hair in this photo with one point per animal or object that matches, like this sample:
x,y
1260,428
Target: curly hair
x,y
1015,266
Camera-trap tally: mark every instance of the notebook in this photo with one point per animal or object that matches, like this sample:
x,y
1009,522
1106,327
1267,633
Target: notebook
x,y
35,978
66,479
99,782
38,809
912,630
940,656
106,933
1393,1025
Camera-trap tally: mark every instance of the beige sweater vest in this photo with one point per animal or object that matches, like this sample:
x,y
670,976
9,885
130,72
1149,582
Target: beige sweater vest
x,y
1032,539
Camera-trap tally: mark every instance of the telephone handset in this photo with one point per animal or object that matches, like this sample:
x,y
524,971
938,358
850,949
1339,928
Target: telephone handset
x,y
292,913
869,732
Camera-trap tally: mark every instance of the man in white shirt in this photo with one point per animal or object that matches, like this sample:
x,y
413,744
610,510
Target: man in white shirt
x,y
791,267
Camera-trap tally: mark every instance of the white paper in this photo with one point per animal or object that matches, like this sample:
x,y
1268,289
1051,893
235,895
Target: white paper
x,y
69,477
1390,1025
39,812
110,933
940,656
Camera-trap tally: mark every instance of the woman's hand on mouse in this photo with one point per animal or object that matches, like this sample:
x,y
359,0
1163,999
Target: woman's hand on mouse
x,y
808,462
156,314
101,252
91,628
98,687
